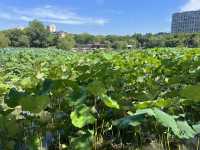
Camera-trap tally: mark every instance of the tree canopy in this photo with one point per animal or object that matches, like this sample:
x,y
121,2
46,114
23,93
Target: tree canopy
x,y
66,43
18,38
37,34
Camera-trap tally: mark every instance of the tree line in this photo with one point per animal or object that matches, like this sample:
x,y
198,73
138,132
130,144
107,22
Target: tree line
x,y
36,35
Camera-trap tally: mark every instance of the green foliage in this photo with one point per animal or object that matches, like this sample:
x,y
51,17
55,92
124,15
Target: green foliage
x,y
179,128
191,92
97,88
84,141
68,100
82,116
84,38
31,103
196,127
186,131
37,34
132,120
66,43
109,102
4,41
17,38
52,39
166,120
119,45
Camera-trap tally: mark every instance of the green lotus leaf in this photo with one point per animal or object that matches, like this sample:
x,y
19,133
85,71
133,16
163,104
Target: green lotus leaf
x,y
81,116
191,92
109,102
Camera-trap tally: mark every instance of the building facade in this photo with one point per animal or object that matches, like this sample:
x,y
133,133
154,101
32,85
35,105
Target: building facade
x,y
51,28
186,22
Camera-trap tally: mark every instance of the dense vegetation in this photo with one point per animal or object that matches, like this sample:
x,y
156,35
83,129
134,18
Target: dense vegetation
x,y
102,100
36,35
4,41
191,40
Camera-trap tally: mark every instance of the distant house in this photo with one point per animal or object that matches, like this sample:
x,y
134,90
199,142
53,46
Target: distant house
x,y
129,46
90,46
98,46
61,34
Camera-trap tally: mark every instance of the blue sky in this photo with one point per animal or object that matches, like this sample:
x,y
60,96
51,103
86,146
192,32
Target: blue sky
x,y
96,16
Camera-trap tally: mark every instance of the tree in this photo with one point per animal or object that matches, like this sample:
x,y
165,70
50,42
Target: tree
x,y
99,39
142,39
112,38
84,38
174,41
17,38
192,41
154,41
108,44
133,42
195,41
119,45
4,41
52,39
24,41
37,34
66,43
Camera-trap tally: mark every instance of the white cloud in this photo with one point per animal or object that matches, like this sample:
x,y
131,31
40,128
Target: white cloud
x,y
191,5
25,18
50,14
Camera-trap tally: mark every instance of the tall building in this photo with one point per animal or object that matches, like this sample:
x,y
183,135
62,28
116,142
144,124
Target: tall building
x,y
51,28
186,22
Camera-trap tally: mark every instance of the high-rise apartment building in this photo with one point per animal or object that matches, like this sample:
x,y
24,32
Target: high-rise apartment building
x,y
51,28
186,22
